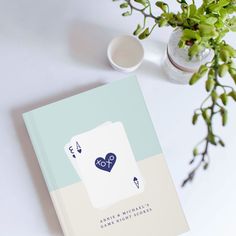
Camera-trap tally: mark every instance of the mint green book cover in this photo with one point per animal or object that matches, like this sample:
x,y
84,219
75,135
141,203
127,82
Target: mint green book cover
x,y
103,164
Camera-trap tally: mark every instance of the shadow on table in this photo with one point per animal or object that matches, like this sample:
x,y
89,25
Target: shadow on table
x,y
152,65
88,44
31,160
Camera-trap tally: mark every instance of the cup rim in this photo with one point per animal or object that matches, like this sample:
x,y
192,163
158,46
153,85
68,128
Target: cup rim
x,y
123,68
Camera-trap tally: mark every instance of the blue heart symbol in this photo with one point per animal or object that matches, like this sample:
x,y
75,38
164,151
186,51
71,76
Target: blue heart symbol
x,y
106,163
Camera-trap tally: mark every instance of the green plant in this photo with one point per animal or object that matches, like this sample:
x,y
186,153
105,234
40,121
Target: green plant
x,y
202,27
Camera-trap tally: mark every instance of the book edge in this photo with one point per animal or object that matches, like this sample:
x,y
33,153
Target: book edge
x,y
57,203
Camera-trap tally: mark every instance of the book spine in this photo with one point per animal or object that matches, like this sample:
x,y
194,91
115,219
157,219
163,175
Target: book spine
x,y
41,156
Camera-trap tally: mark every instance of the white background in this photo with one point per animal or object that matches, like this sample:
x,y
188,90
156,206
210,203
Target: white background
x,y
51,49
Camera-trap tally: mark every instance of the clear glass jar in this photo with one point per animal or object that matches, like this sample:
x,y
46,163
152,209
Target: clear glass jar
x,y
177,64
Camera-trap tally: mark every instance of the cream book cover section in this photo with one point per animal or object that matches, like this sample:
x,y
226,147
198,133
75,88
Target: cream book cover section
x,y
103,164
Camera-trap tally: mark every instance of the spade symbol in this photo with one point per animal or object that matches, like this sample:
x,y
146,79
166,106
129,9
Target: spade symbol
x,y
136,182
79,150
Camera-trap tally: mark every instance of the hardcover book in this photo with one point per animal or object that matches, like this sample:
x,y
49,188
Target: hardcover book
x,y
103,164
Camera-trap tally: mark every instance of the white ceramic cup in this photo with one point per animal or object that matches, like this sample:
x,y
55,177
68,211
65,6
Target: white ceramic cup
x,y
125,53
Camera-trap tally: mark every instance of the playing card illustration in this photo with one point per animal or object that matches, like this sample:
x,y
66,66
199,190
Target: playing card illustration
x,y
106,164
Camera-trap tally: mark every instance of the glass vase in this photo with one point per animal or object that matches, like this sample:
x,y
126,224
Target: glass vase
x,y
177,64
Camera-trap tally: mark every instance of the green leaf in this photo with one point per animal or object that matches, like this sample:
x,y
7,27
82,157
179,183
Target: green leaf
x,y
144,34
224,116
234,77
224,55
224,3
194,50
232,24
223,14
232,94
198,75
222,70
203,70
162,22
143,2
207,30
124,5
195,77
221,143
216,7
163,6
205,166
214,96
231,50
232,65
211,20
219,24
231,9
232,72
195,118
195,152
201,10
127,13
209,84
185,9
189,34
211,138
181,44
193,10
138,30
224,98
211,74
205,115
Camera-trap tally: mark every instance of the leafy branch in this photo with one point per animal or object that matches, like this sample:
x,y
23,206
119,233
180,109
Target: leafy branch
x,y
202,27
214,104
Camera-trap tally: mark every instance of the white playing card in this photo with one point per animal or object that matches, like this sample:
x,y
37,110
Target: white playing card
x,y
76,145
72,151
73,146
107,165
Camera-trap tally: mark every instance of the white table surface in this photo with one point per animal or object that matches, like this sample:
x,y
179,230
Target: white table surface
x,y
51,49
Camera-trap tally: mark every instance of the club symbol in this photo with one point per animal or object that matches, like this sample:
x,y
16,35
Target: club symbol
x,y
136,182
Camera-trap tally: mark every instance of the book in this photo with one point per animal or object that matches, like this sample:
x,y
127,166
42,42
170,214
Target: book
x,y
103,164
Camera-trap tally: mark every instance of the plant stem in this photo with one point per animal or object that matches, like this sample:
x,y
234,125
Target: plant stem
x,y
210,138
151,15
146,15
